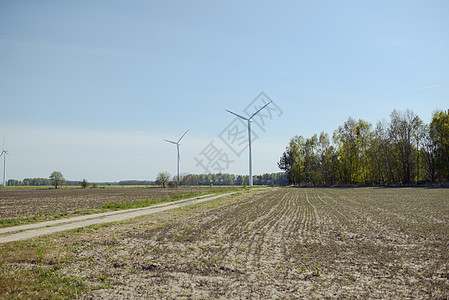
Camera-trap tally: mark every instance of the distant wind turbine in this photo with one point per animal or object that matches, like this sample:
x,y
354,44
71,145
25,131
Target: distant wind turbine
x,y
177,147
4,153
249,120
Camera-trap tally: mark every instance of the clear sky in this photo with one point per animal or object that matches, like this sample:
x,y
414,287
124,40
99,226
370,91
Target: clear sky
x,y
91,88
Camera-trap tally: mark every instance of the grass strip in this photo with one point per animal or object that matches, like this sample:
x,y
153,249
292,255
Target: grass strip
x,y
148,202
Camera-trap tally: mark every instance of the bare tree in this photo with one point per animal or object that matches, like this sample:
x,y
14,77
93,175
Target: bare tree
x,y
402,131
163,178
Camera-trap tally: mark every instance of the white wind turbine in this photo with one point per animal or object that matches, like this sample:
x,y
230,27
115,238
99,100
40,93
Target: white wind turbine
x,y
249,120
177,147
4,153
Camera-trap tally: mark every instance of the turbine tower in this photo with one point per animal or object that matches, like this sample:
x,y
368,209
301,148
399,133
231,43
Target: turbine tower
x,y
4,153
249,120
177,147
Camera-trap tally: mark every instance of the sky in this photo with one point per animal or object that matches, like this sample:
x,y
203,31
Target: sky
x,y
92,88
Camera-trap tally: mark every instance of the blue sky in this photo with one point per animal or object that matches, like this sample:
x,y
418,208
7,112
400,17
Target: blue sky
x,y
91,88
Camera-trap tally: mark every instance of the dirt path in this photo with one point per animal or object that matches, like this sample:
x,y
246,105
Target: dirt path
x,y
23,232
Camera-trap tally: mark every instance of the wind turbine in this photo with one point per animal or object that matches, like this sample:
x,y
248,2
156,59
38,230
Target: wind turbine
x,y
249,120
4,153
177,146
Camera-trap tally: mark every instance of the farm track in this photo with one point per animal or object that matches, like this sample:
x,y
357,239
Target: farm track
x,y
283,243
23,232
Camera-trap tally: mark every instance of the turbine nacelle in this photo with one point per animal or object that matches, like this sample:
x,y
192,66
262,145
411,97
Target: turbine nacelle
x,y
172,142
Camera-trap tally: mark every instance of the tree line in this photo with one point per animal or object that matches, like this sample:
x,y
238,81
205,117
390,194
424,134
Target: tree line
x,y
164,179
401,151
30,182
56,179
231,179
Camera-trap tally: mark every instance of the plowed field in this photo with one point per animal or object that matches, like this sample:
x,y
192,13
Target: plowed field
x,y
21,203
285,243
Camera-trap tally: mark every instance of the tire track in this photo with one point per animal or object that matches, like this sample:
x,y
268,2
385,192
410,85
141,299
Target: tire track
x,y
317,216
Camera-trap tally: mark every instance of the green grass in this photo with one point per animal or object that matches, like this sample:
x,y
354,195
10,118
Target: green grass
x,y
39,275
40,283
149,202
27,187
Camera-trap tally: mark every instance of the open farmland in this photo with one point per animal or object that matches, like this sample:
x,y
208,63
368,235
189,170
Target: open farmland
x,y
284,243
29,202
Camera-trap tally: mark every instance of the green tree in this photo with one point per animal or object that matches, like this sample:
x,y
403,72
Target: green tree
x,y
57,179
84,184
239,180
37,181
189,179
402,150
290,161
310,161
439,133
383,150
14,182
345,138
326,158
419,136
363,135
172,184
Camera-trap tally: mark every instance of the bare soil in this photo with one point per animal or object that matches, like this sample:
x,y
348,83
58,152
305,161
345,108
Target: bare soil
x,y
285,243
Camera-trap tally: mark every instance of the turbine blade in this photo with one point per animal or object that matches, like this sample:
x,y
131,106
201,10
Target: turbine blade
x,y
171,142
237,115
183,135
260,110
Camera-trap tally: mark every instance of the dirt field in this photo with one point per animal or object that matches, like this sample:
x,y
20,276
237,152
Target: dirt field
x,y
286,243
21,203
